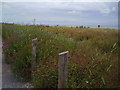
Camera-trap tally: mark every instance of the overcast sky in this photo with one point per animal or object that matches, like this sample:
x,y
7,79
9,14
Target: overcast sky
x,y
61,13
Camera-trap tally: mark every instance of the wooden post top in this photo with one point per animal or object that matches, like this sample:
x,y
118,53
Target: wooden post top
x,y
62,53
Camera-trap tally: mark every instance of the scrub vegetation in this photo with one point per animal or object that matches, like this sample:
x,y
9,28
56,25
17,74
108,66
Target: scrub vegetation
x,y
93,54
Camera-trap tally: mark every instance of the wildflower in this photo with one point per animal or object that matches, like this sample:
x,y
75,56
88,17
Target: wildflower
x,y
80,67
87,82
43,75
33,74
32,71
46,66
77,62
55,65
69,57
90,72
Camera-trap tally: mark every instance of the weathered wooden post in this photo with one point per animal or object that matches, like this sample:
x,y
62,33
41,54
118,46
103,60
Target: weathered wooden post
x,y
33,62
62,69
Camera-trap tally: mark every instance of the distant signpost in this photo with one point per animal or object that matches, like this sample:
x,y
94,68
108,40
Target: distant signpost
x,y
34,21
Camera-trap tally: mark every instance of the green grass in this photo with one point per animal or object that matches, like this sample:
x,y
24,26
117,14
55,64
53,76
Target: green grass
x,y
93,54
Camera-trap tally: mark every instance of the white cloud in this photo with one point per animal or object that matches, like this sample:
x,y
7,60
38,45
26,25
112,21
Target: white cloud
x,y
114,8
101,7
73,12
106,11
71,8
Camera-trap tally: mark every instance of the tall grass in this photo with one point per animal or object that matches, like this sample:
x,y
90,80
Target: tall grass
x,y
93,54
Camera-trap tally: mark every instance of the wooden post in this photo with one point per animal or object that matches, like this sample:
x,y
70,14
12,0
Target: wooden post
x,y
62,69
33,62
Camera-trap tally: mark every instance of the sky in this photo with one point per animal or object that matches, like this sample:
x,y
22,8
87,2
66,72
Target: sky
x,y
70,12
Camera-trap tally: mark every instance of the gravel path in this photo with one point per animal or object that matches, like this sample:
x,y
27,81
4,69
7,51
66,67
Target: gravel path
x,y
8,79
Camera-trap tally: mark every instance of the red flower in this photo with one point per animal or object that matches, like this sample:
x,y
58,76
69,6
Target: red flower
x,y
69,57
80,67
77,62
55,65
46,66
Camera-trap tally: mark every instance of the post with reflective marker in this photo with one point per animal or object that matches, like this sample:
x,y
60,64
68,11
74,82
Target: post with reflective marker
x,y
62,69
33,62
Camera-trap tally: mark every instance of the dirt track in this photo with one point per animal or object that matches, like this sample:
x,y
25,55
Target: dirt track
x,y
8,79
